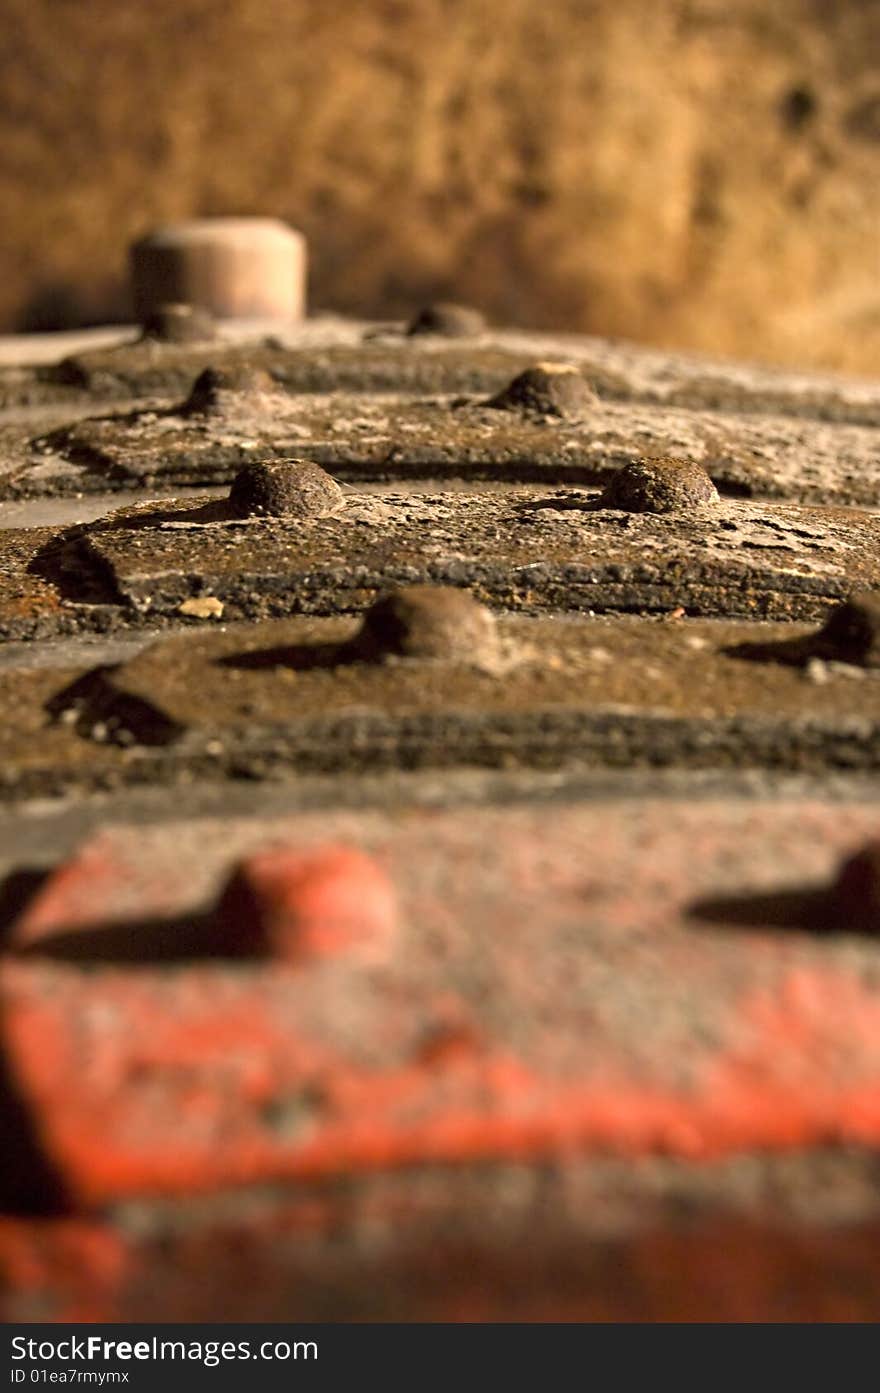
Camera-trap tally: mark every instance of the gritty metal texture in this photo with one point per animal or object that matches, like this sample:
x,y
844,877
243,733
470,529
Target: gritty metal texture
x,y
293,697
405,437
532,551
528,550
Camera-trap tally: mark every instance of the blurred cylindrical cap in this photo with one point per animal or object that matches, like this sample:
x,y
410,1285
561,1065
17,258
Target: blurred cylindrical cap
x,y
236,268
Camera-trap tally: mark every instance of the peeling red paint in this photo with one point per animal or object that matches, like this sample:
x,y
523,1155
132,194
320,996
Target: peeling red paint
x,y
177,1097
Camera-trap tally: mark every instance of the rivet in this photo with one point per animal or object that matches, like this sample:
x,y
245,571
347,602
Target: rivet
x,y
429,621
547,389
230,391
305,905
659,486
284,488
448,320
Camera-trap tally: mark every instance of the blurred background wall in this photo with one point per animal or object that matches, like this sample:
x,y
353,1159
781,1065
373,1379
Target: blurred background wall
x,y
692,172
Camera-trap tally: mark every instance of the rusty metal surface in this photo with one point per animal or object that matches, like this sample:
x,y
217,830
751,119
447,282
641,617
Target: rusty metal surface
x,y
331,354
295,697
694,949
394,437
524,942
530,550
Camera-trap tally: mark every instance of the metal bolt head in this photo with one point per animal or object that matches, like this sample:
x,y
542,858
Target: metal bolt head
x,y
179,324
547,389
851,633
659,486
294,488
856,892
448,320
236,268
429,621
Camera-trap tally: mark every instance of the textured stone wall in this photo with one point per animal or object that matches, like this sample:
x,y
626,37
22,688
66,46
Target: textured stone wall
x,y
693,172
